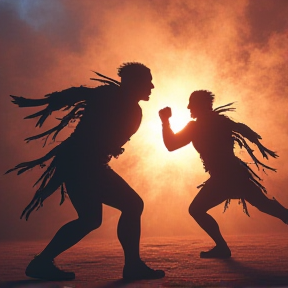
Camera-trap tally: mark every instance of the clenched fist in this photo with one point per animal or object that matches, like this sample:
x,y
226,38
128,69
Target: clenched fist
x,y
165,114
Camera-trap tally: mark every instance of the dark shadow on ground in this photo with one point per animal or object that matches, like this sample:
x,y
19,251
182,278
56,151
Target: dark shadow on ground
x,y
50,284
30,283
116,284
254,276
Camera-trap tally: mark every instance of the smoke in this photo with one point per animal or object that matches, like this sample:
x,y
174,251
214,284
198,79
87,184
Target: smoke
x,y
238,50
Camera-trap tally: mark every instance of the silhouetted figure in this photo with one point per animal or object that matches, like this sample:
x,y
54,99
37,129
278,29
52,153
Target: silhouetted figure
x,y
213,135
109,115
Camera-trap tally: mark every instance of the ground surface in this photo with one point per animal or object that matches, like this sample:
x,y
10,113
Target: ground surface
x,y
258,261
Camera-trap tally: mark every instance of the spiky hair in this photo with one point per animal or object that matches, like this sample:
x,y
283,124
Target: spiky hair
x,y
202,97
132,69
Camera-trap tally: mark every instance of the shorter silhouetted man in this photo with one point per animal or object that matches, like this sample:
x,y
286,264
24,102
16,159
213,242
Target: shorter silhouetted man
x,y
213,135
109,115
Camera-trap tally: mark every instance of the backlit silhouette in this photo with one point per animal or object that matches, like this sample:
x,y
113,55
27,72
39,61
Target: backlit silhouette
x,y
213,135
109,115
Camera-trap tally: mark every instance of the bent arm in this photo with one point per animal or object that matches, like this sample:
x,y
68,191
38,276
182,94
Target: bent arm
x,y
174,141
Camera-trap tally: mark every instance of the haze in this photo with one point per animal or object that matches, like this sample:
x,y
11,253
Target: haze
x,y
237,49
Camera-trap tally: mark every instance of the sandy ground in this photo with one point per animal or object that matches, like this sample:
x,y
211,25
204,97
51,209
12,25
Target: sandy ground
x,y
258,261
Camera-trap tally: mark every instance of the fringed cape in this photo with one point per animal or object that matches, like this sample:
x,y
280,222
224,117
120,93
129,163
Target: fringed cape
x,y
72,99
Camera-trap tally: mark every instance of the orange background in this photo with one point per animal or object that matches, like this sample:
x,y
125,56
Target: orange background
x,y
236,49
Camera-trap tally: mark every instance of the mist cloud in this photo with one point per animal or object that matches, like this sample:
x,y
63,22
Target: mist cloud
x,y
237,49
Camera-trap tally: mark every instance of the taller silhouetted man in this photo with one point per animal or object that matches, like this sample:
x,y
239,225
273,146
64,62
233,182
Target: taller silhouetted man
x,y
109,115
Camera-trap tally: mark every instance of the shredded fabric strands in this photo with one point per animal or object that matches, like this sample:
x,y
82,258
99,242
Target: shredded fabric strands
x,y
107,80
64,100
242,143
241,201
75,113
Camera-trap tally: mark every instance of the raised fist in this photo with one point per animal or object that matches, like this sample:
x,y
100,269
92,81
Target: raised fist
x,y
165,114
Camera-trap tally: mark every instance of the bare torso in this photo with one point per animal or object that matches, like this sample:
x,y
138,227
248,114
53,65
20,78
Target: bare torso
x,y
212,138
107,124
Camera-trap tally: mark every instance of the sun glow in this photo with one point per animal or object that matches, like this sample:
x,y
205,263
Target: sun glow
x,y
176,95
178,121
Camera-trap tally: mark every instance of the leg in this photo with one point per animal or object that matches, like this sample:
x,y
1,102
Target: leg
x,y
89,208
205,200
272,207
120,195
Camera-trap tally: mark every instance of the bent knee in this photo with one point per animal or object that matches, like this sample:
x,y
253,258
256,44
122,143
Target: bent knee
x,y
135,207
195,211
90,223
261,203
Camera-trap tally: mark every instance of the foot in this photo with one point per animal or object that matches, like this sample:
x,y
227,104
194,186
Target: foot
x,y
45,270
141,271
217,252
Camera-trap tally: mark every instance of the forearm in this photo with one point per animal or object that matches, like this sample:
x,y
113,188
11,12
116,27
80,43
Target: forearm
x,y
168,136
173,141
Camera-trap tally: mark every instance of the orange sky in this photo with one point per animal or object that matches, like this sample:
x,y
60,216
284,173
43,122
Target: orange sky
x,y
237,49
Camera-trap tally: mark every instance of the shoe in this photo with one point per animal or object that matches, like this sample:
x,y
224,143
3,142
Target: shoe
x,y
40,269
141,271
221,252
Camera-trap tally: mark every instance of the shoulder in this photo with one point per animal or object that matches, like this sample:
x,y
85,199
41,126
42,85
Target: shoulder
x,y
191,125
189,128
225,120
103,94
108,89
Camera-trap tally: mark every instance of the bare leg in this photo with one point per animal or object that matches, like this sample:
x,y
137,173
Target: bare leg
x,y
206,199
67,236
112,190
128,232
272,207
120,195
210,226
89,208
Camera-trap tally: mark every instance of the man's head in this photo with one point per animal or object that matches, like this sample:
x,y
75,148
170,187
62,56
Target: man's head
x,y
136,80
200,102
